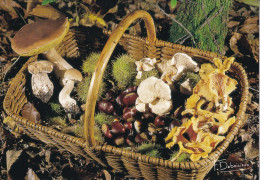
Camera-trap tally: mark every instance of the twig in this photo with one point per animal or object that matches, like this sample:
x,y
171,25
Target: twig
x,y
215,15
253,89
173,19
183,37
211,32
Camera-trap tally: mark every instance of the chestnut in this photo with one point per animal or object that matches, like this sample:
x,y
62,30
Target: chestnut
x,y
178,111
119,99
130,98
117,127
154,138
159,121
105,106
138,126
148,116
106,131
139,139
151,129
174,123
130,140
110,94
131,89
128,125
129,114
120,140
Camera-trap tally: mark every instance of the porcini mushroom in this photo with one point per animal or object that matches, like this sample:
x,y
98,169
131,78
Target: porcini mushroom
x,y
42,86
145,64
42,37
156,93
70,77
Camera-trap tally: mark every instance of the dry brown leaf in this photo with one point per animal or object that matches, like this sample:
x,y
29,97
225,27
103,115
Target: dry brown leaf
x,y
251,149
31,175
32,4
239,44
249,28
46,11
255,48
232,24
9,5
252,20
30,112
11,157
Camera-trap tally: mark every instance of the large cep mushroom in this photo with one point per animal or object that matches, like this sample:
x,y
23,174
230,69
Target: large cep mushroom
x,y
42,37
42,86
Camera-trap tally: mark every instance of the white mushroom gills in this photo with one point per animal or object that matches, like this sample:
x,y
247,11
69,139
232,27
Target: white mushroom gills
x,y
145,64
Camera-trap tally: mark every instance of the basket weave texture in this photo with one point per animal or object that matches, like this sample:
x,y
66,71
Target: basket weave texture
x,y
119,159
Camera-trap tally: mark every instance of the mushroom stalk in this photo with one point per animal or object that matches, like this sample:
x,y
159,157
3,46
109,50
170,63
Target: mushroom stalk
x,y
64,97
58,61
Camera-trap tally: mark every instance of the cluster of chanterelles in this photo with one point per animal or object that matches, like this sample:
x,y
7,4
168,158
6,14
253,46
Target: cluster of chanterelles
x,y
210,109
42,37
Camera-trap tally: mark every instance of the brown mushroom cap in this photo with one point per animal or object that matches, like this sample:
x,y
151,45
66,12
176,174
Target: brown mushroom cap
x,y
40,67
38,37
73,74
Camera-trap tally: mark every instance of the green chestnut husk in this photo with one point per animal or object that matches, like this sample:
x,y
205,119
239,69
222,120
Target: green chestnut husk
x,y
150,149
83,86
184,157
124,71
194,77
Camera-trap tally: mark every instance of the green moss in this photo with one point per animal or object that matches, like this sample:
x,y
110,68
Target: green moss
x,y
98,135
192,76
145,75
102,118
83,86
56,108
58,121
184,157
150,149
124,71
202,36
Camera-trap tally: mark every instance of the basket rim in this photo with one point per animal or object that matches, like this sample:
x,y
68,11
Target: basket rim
x,y
213,156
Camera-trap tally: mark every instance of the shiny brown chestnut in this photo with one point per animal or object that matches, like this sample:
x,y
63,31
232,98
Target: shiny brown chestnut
x,y
138,126
117,127
105,106
159,121
139,139
129,99
128,125
106,131
119,99
129,114
173,124
131,89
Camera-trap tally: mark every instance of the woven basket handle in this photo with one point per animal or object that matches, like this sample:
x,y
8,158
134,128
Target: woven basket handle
x,y
102,63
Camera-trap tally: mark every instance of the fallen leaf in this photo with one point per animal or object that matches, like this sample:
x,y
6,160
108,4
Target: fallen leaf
x,y
239,44
46,11
32,4
255,48
31,113
244,135
9,6
11,157
31,175
107,175
252,20
232,24
250,2
251,149
249,28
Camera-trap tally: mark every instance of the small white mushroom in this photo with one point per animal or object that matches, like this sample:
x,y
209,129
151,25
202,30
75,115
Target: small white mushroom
x,y
183,63
70,77
145,64
186,87
140,106
42,86
161,106
155,93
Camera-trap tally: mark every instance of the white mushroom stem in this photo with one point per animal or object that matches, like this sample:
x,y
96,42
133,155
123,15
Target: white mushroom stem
x,y
42,86
60,64
66,101
145,64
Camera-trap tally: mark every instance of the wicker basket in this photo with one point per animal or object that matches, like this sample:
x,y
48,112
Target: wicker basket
x,y
121,160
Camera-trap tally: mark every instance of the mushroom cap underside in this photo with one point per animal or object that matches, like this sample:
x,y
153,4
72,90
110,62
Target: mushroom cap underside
x,y
38,37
